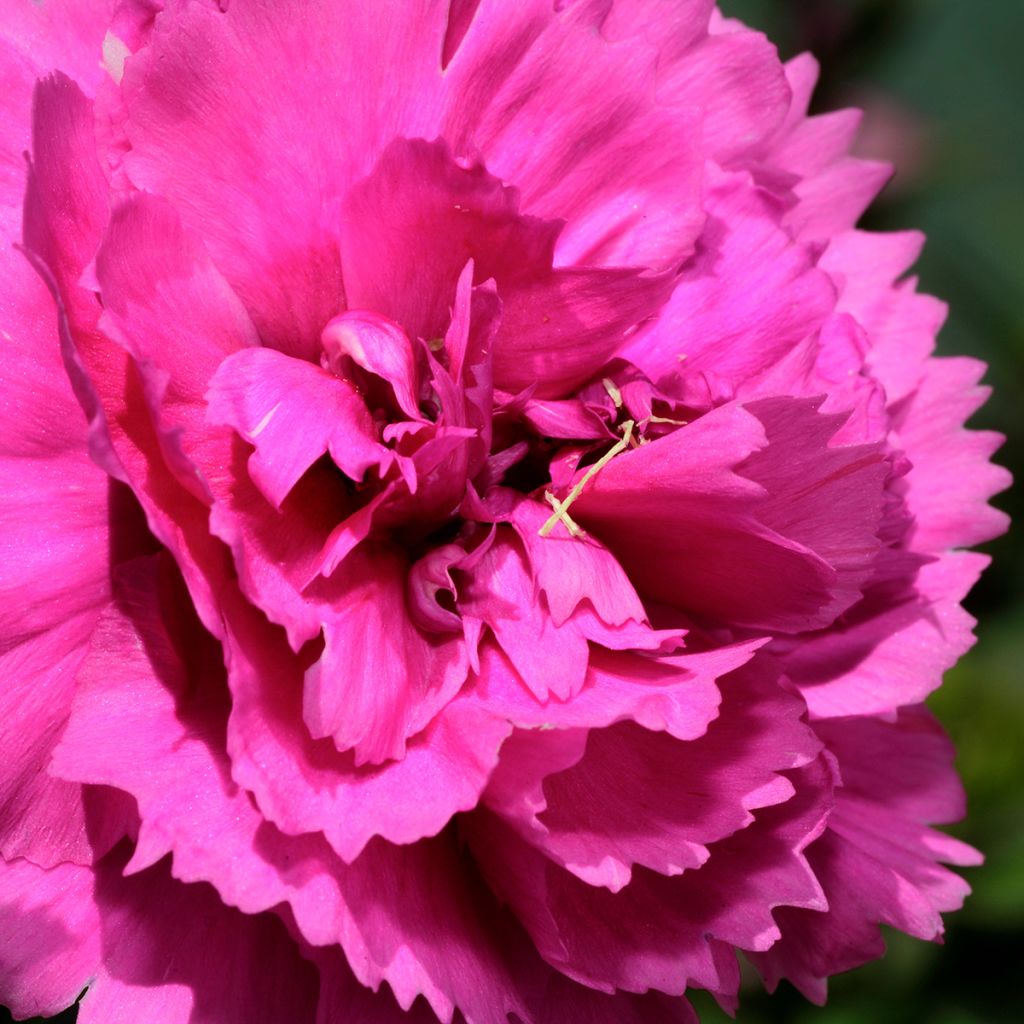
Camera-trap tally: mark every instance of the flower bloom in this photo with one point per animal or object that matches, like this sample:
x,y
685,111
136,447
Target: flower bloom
x,y
479,522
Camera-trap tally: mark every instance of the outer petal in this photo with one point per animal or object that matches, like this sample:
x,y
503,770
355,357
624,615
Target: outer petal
x,y
952,480
877,862
684,517
200,961
663,932
61,523
746,298
50,945
891,649
585,815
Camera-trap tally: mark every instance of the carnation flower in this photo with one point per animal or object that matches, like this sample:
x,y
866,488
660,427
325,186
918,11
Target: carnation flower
x,y
479,520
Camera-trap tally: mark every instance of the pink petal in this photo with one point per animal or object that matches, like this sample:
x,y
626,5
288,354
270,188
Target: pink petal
x,y
888,653
683,516
587,107
381,679
952,479
304,785
50,946
292,413
663,932
242,969
746,298
877,862
584,814
191,91
675,693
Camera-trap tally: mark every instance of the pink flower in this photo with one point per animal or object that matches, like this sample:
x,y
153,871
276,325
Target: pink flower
x,y
515,520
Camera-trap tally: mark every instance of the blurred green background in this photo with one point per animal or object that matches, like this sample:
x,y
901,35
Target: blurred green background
x,y
942,84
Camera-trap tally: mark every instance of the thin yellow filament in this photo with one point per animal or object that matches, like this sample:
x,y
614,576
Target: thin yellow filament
x,y
562,507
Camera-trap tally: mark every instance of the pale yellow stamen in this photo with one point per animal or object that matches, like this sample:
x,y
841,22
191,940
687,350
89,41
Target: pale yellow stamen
x,y
562,507
613,392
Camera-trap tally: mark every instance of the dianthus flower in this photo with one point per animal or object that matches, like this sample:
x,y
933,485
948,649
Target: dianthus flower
x,y
515,520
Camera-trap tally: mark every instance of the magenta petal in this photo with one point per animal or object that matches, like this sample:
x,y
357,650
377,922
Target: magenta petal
x,y
696,792
380,347
888,653
664,932
747,297
570,571
685,518
246,970
952,478
878,862
292,413
50,945
381,678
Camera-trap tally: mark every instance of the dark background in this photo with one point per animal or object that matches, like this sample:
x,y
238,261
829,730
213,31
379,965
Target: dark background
x,y
942,85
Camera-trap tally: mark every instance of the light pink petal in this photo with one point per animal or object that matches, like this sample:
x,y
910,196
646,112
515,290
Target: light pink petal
x,y
888,653
951,480
684,517
17,79
292,413
832,201
736,81
50,946
587,106
877,862
64,35
901,324
664,932
746,298
584,815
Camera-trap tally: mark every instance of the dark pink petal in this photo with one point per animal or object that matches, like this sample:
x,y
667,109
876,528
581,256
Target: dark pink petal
x,y
685,518
50,946
176,954
292,413
890,650
584,815
664,932
149,270
878,862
